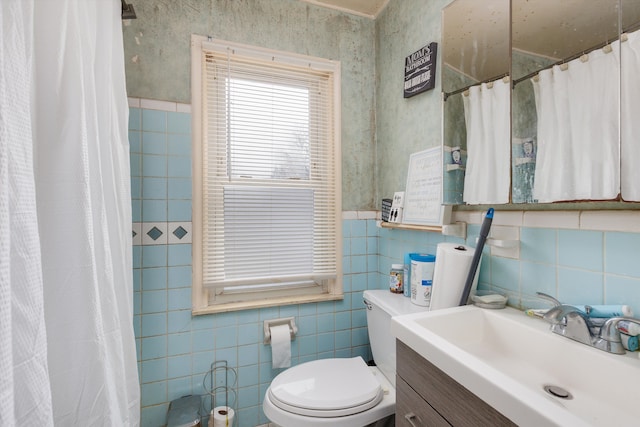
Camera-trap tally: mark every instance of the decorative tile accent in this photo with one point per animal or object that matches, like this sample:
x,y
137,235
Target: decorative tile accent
x,y
154,233
161,233
179,232
136,232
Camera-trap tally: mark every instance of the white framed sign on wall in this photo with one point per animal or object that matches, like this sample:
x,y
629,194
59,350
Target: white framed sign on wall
x,y
423,192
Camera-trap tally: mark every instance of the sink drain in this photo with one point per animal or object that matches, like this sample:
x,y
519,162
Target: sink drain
x,y
556,391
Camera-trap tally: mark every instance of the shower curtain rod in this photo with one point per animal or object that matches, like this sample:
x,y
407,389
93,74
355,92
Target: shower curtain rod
x,y
562,61
629,29
128,12
491,79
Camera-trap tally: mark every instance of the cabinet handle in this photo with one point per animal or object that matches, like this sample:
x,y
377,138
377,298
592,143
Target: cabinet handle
x,y
410,417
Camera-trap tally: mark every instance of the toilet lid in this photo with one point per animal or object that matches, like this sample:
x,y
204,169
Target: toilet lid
x,y
327,388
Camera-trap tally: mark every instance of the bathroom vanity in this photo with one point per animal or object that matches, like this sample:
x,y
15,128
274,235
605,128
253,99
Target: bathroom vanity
x,y
476,367
426,396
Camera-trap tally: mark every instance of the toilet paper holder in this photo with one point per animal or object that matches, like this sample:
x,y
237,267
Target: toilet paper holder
x,y
293,329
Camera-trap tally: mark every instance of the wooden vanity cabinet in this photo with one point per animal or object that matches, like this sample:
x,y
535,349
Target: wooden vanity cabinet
x,y
426,396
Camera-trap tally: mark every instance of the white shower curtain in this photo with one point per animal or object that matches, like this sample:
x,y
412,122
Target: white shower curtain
x,y
488,172
80,158
25,396
578,151
630,125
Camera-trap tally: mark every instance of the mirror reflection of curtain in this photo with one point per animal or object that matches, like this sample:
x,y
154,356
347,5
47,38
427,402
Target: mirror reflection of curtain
x,y
630,125
578,151
487,115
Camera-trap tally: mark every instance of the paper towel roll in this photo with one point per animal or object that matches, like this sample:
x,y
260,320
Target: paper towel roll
x,y
453,262
280,346
223,416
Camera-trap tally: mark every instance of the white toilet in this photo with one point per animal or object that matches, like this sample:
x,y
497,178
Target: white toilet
x,y
343,392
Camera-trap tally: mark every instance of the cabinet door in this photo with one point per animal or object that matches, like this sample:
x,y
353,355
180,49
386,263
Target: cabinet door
x,y
412,410
451,400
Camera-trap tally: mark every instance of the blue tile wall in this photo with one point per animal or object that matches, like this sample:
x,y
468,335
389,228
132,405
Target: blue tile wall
x,y
175,350
575,266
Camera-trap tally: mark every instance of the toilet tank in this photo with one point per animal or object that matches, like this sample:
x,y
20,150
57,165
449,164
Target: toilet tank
x,y
382,305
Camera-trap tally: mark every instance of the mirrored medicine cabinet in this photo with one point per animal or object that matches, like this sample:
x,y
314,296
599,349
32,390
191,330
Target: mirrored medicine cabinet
x,y
538,101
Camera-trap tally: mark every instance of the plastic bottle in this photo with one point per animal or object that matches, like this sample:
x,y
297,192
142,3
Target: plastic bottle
x,y
422,266
396,278
629,328
407,275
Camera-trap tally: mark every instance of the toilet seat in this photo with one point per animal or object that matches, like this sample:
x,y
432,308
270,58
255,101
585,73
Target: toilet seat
x,y
327,388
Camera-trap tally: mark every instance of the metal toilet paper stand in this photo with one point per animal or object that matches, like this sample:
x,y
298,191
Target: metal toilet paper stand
x,y
222,381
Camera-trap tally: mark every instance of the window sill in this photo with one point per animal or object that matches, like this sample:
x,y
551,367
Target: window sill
x,y
248,305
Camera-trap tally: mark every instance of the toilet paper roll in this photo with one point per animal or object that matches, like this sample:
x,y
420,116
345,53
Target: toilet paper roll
x,y
223,416
453,262
280,346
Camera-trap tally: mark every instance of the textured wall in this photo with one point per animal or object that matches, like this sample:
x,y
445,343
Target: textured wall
x,y
404,126
157,55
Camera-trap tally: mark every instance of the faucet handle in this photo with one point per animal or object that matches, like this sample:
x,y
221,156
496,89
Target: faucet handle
x,y
610,331
561,314
548,298
609,339
568,321
556,314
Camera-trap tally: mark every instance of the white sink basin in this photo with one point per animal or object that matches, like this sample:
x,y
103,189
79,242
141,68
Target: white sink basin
x,y
507,358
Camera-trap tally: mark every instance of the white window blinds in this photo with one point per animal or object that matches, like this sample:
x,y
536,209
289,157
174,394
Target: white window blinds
x,y
269,173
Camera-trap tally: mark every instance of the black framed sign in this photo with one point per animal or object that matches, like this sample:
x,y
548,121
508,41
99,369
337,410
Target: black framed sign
x,y
420,70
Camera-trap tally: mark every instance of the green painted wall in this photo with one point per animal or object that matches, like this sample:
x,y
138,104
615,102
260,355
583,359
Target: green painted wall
x,y
404,126
158,63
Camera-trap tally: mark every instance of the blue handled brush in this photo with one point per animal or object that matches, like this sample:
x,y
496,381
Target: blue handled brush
x,y
484,232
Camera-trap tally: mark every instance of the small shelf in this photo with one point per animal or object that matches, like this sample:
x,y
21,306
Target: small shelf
x,y
398,226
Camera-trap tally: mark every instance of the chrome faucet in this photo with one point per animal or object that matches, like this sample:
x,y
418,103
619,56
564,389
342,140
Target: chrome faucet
x,y
609,339
568,321
575,324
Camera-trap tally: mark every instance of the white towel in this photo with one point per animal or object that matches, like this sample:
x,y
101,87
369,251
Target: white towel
x,y
487,114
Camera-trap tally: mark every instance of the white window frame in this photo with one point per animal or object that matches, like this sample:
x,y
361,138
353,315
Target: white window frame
x,y
204,299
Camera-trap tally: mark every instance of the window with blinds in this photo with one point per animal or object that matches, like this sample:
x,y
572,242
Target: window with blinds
x,y
266,177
